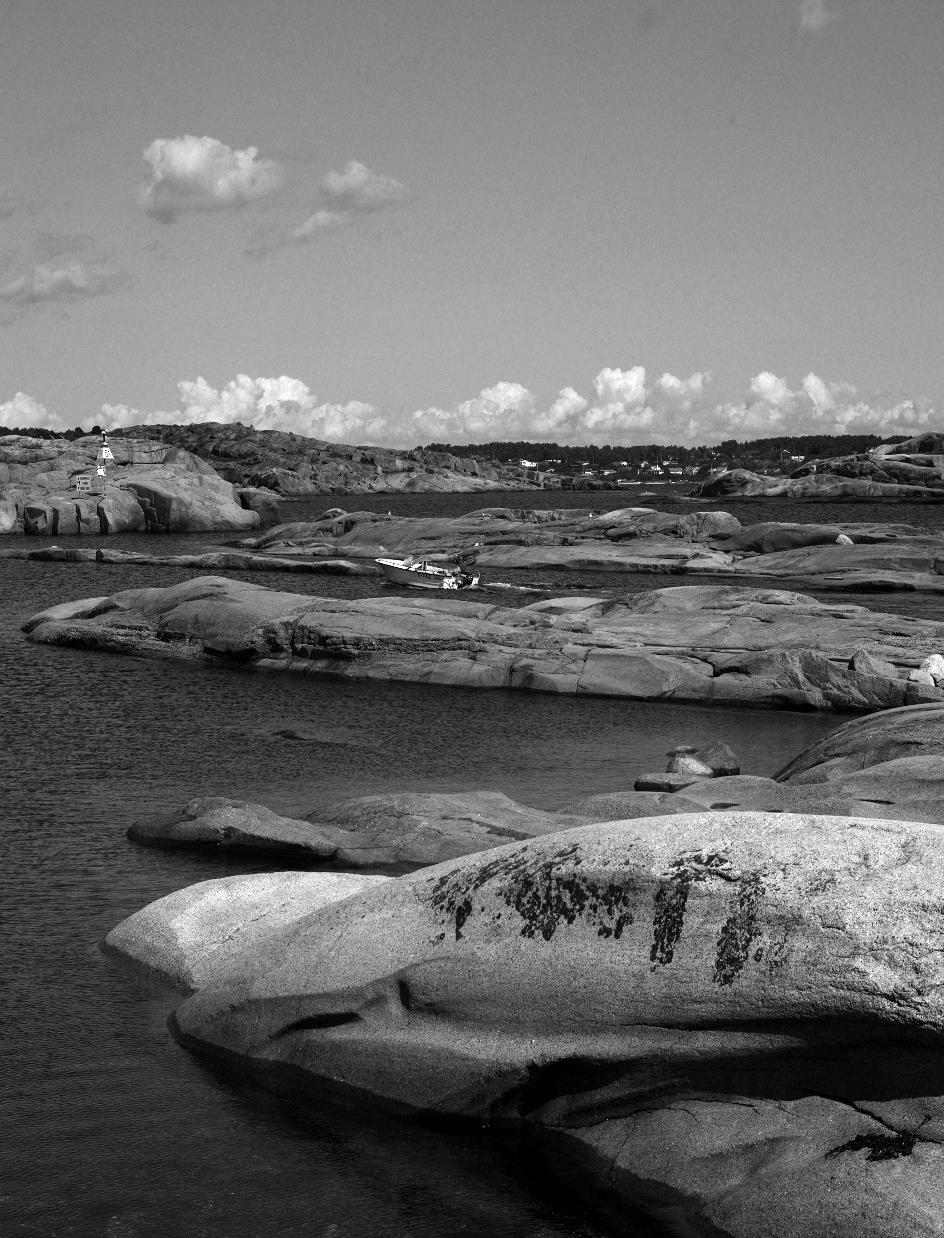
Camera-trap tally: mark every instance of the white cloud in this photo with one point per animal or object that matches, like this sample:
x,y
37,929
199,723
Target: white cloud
x,y
201,174
267,403
344,197
624,409
815,16
23,411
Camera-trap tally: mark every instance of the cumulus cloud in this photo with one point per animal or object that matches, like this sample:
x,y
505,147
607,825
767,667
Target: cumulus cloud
x,y
815,16
23,411
267,403
344,197
625,407
58,269
202,174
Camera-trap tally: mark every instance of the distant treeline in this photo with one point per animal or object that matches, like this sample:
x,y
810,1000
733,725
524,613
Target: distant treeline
x,y
39,432
809,446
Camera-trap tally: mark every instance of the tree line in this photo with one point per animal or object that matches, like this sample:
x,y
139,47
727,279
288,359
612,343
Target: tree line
x,y
809,446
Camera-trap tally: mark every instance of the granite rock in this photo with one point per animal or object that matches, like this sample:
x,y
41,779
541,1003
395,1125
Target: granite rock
x,y
734,1019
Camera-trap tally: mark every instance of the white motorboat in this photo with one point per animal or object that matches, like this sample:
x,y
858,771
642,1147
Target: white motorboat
x,y
419,574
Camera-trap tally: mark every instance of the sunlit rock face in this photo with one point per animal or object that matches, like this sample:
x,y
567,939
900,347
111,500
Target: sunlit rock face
x,y
205,934
734,1018
149,486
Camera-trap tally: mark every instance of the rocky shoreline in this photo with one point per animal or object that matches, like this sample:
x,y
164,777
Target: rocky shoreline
x,y
729,1018
707,644
293,465
912,471
852,556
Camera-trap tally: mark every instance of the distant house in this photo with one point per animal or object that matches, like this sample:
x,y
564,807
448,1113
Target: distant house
x,y
528,464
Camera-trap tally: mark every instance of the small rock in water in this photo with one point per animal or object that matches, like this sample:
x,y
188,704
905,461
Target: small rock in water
x,y
688,763
714,761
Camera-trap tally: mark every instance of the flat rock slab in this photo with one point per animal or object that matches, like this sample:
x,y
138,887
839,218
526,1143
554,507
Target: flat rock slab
x,y
233,560
397,829
202,935
733,1018
632,539
707,644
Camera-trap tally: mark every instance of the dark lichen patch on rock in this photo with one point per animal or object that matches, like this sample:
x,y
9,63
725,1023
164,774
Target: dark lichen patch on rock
x,y
880,1147
671,899
546,892
739,930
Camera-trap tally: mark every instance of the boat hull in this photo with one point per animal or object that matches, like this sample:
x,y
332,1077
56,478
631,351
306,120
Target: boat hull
x,y
425,575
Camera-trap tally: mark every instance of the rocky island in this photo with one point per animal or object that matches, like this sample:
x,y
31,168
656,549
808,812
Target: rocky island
x,y
294,465
849,556
705,644
912,470
729,1018
150,487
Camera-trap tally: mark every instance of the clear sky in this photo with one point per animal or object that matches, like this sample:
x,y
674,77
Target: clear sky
x,y
405,220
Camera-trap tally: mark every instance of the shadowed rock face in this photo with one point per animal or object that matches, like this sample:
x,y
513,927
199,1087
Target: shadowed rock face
x,y
715,644
735,1017
150,487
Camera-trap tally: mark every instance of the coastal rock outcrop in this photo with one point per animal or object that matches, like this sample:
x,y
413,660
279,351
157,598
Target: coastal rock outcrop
x,y
733,1019
888,765
631,539
718,644
150,487
913,470
396,829
294,465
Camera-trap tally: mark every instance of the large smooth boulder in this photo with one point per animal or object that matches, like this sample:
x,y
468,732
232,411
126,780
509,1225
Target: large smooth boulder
x,y
733,1018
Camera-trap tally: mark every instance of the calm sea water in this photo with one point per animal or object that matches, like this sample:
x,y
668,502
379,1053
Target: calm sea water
x,y
107,1127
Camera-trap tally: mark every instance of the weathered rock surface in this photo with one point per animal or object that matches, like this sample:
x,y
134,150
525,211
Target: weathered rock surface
x,y
294,465
912,470
151,487
716,644
733,1018
395,829
205,934
632,539
220,560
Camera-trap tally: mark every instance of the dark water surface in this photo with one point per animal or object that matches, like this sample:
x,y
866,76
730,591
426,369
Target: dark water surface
x,y
107,1127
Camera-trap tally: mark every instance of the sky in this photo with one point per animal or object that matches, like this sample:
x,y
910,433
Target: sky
x,y
405,221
